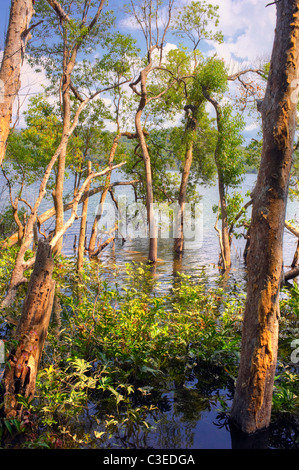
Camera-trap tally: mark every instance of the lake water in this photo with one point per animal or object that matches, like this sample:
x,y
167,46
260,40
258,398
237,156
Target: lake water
x,y
199,254
203,253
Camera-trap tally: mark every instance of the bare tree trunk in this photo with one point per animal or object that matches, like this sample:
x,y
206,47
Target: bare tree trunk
x,y
153,240
81,245
70,51
179,242
41,219
251,410
93,236
144,13
58,191
17,36
191,129
226,242
21,371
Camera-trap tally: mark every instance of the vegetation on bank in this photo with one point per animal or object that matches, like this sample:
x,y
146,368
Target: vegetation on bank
x,y
117,343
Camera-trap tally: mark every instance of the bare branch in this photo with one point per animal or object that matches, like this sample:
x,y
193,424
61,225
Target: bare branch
x,y
74,215
59,10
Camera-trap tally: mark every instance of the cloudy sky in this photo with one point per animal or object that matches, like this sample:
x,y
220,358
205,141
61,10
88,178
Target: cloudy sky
x,y
247,25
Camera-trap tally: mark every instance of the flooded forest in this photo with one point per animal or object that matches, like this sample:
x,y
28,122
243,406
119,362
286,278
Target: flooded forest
x,y
149,227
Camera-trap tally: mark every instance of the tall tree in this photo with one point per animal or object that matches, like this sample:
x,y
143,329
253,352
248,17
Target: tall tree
x,y
18,34
212,82
74,26
251,410
148,14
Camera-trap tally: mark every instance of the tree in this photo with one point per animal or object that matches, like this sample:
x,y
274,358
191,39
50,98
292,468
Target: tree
x,y
251,410
118,63
228,154
75,26
17,36
147,15
195,113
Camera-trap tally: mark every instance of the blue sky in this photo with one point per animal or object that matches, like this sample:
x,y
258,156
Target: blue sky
x,y
247,25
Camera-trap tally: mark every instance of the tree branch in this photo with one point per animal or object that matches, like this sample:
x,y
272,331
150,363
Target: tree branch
x,y
73,215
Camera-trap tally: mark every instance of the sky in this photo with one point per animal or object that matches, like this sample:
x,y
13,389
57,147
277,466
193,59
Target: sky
x,y
247,25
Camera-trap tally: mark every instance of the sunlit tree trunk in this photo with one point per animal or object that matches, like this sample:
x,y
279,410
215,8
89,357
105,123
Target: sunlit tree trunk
x,y
251,410
147,13
153,240
70,52
225,241
17,37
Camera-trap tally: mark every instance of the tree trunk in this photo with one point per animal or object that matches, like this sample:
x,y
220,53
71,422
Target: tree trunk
x,y
17,37
179,242
153,240
58,191
21,371
81,245
191,129
226,243
251,410
94,230
225,235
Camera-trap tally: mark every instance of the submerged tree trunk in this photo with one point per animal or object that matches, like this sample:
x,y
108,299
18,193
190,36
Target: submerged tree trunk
x,y
21,371
153,236
18,34
251,410
225,240
225,237
191,129
82,236
94,230
179,241
152,228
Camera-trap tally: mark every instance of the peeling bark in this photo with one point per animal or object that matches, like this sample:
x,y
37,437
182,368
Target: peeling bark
x,y
18,34
23,363
252,403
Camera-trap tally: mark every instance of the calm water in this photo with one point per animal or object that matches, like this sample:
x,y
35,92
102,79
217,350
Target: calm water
x,y
198,255
189,420
204,253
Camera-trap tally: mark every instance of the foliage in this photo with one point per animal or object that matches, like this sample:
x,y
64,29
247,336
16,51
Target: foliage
x,y
194,20
113,339
230,155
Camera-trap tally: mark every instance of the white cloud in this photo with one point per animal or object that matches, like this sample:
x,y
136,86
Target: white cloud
x,y
248,28
252,127
32,83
